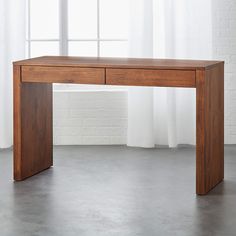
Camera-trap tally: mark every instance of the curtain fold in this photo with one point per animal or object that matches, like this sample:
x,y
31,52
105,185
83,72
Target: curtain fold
x,y
140,100
12,47
178,29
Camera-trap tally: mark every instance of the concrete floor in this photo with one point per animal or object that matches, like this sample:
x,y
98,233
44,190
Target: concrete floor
x,y
115,190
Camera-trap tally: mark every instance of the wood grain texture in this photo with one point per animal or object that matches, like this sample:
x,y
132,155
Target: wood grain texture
x,y
210,128
45,74
32,127
37,139
17,122
33,80
140,63
200,132
141,77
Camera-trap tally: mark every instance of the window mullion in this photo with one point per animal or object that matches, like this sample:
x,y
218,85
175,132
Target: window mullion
x,y
63,27
98,28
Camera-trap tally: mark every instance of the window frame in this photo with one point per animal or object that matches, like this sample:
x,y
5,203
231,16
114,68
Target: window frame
x,y
63,39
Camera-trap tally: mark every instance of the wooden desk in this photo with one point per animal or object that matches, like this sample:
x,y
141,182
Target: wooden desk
x,y
33,80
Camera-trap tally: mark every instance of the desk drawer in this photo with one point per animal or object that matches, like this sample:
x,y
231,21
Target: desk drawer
x,y
146,77
46,74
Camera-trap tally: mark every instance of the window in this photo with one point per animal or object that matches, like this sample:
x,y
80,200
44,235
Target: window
x,y
77,28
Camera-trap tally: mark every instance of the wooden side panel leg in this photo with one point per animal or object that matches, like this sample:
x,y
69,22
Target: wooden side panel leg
x,y
210,128
33,151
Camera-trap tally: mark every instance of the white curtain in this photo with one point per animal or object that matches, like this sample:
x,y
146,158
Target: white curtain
x,y
166,29
12,47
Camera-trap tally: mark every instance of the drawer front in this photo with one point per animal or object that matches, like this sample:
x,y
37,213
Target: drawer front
x,y
146,77
44,74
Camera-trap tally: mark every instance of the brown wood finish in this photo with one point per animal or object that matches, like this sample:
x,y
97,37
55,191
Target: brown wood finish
x,y
33,80
210,128
45,74
148,77
17,122
122,63
36,128
32,127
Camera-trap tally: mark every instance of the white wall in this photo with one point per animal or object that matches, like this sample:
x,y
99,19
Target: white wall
x,y
224,48
90,117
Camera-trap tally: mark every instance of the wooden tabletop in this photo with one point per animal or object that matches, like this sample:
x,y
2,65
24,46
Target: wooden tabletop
x,y
119,63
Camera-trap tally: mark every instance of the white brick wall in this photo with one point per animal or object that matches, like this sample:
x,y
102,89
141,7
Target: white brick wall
x,y
90,117
224,48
